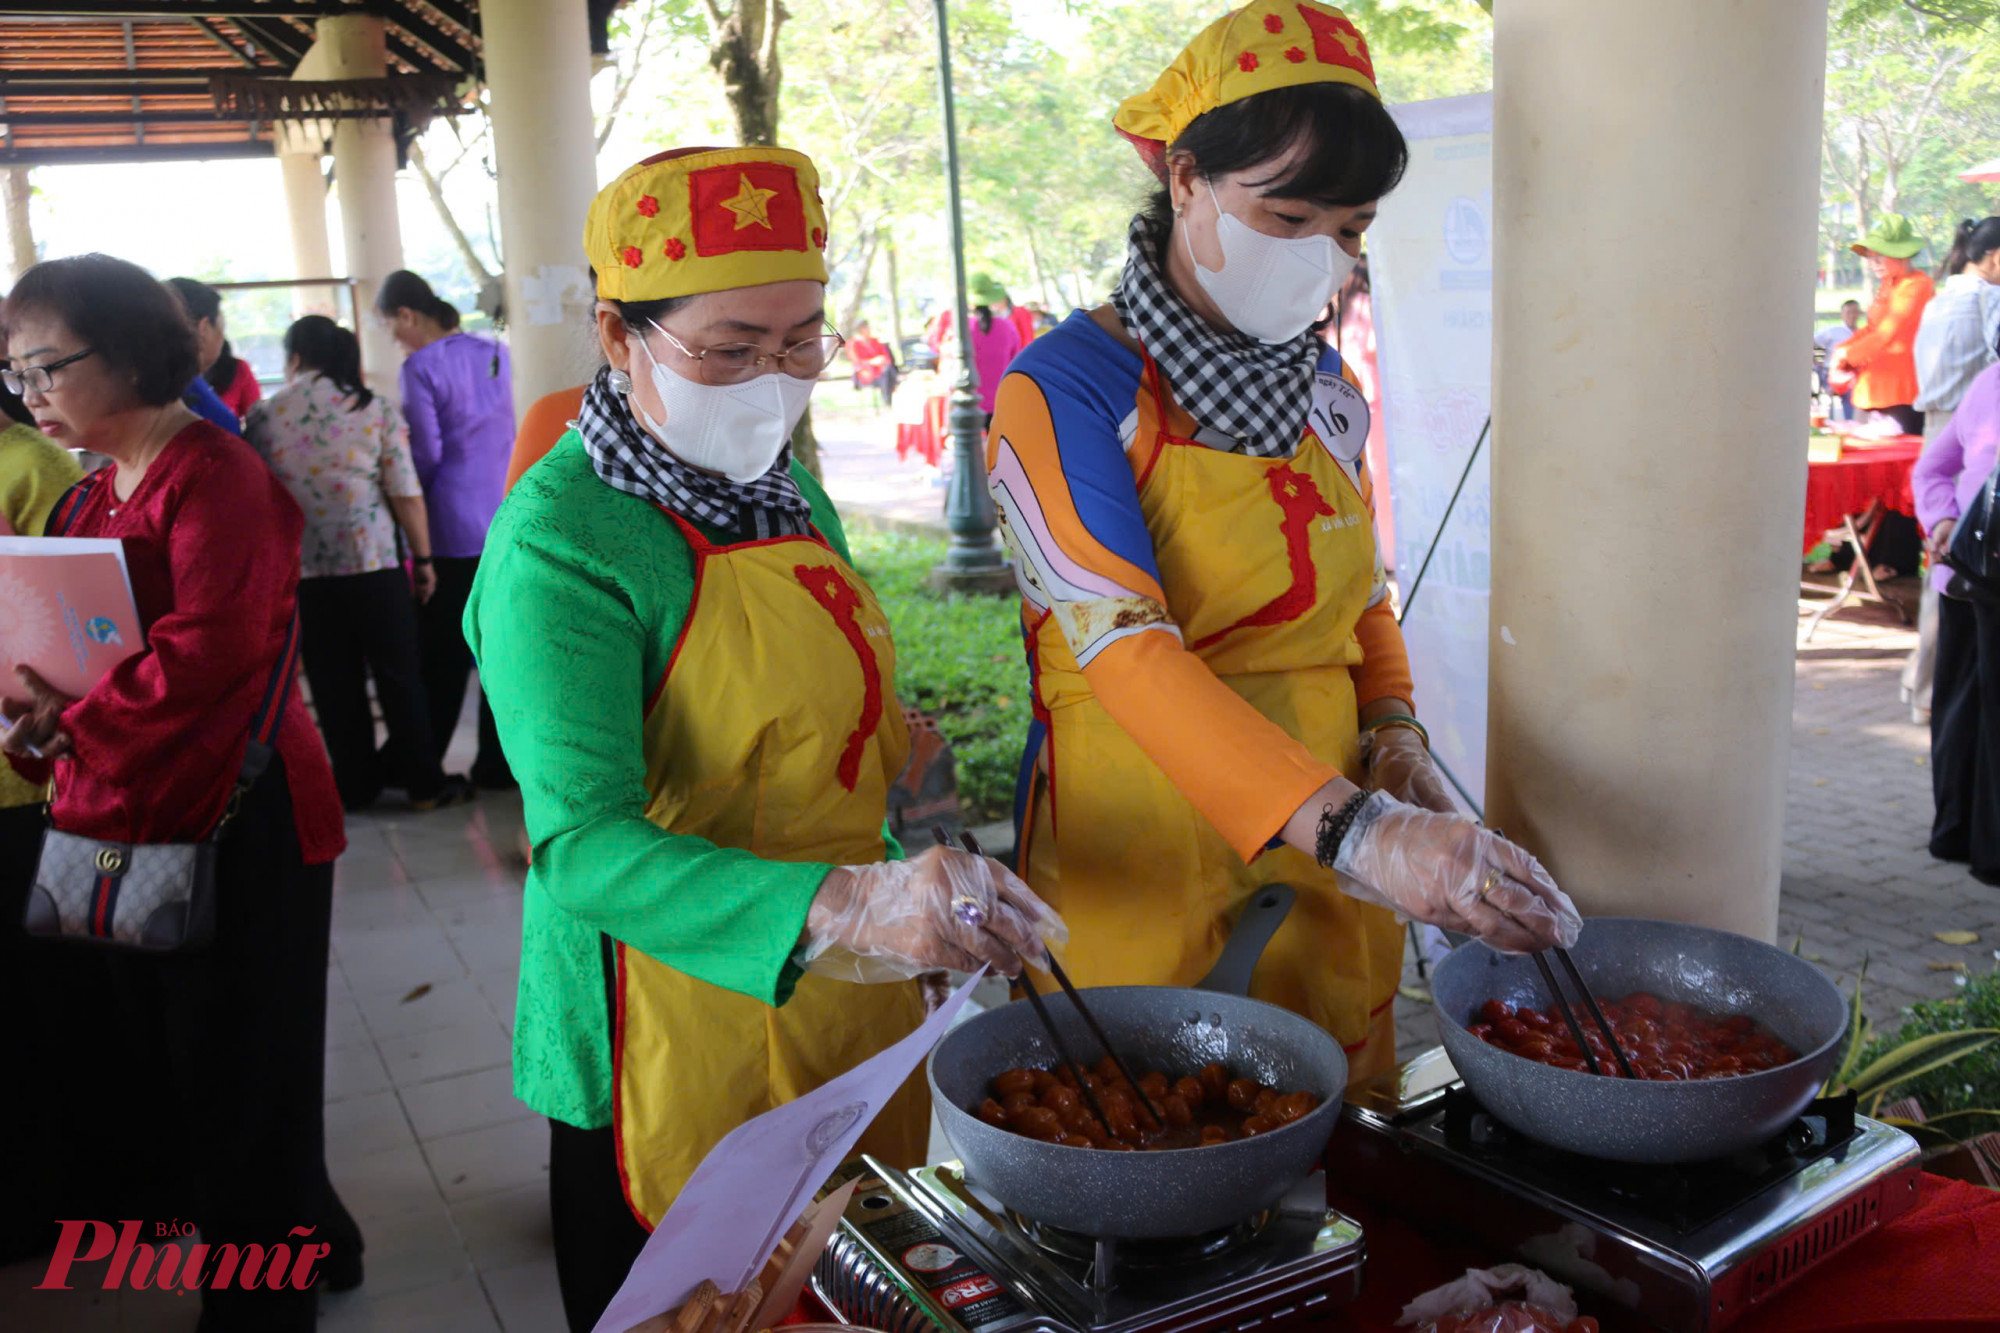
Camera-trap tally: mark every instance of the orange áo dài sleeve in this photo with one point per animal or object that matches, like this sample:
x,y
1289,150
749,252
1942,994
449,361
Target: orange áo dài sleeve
x,y
1070,510
546,421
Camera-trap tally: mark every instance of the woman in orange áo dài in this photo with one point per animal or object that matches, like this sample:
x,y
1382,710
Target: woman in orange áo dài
x,y
1221,694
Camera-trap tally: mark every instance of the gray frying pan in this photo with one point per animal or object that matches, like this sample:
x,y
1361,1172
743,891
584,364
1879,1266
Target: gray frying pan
x,y
1175,1030
1638,1121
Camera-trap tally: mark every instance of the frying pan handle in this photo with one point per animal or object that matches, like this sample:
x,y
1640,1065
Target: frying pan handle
x,y
1255,926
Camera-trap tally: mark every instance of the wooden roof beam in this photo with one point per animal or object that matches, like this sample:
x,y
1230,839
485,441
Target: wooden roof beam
x,y
174,9
427,36
30,155
80,82
214,34
276,41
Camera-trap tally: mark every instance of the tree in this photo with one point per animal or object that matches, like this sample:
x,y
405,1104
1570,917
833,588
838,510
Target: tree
x,y
474,266
1910,103
1886,77
744,50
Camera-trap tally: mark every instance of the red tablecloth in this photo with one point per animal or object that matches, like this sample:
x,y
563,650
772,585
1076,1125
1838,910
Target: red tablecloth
x,y
1865,470
1936,1269
926,437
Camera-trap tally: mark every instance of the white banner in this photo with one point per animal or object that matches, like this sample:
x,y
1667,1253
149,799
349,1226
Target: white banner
x,y
1430,264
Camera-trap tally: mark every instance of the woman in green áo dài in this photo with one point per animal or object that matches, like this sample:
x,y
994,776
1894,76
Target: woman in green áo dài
x,y
696,692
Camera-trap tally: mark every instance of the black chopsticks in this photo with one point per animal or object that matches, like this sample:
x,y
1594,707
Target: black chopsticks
x,y
1590,1002
971,844
1562,1003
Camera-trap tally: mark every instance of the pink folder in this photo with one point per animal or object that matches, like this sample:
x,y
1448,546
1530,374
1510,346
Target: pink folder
x,y
66,610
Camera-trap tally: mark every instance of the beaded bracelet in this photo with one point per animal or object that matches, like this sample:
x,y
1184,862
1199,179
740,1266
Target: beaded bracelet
x,y
1333,828
1400,720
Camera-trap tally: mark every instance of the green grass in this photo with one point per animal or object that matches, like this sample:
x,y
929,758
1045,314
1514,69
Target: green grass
x,y
957,658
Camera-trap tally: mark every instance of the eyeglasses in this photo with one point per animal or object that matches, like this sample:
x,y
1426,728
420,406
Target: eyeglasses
x,y
736,363
38,379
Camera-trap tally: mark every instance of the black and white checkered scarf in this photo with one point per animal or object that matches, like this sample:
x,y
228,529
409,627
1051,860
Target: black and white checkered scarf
x,y
629,460
1256,393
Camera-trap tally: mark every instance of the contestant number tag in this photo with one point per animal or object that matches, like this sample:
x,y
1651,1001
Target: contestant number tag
x,y
1339,416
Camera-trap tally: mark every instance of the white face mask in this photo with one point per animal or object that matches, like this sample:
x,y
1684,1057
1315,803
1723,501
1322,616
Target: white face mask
x,y
1268,287
735,429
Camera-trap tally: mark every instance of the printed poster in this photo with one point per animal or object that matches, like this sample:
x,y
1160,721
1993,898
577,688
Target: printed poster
x,y
66,610
1430,261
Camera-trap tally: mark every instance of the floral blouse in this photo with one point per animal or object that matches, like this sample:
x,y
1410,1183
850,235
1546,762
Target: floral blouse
x,y
341,463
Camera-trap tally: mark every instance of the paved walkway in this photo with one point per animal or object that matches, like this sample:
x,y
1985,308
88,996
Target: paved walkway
x,y
448,1173
857,442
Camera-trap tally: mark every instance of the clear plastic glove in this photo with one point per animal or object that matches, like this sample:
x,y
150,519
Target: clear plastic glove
x,y
1400,763
941,909
1451,873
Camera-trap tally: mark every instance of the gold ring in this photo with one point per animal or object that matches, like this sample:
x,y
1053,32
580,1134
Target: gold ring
x,y
1493,878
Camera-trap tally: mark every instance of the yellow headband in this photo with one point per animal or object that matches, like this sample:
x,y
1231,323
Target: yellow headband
x,y
705,220
1264,45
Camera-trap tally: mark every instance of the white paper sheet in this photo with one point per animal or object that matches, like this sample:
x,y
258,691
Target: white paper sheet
x,y
755,1183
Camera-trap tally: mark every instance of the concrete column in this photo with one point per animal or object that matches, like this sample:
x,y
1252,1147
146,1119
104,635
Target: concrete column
x,y
364,176
544,142
305,205
1654,194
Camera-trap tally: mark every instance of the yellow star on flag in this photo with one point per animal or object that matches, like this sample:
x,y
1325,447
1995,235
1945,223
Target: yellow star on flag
x,y
751,204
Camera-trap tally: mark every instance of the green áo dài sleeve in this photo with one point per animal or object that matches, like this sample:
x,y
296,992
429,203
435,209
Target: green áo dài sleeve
x,y
569,619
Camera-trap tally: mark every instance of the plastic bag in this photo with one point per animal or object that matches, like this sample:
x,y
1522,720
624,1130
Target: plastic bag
x,y
1474,1304
1510,1317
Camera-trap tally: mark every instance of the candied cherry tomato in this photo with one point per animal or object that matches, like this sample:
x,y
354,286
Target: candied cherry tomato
x,y
1294,1106
1660,1040
1013,1081
1242,1093
1039,1123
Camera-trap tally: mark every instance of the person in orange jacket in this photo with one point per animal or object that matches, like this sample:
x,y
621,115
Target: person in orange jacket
x,y
1883,352
546,421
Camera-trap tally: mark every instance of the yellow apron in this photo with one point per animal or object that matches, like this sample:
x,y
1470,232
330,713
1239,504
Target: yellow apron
x,y
774,730
1266,564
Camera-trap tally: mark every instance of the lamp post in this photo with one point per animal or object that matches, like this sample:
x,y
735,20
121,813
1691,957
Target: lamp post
x,y
975,562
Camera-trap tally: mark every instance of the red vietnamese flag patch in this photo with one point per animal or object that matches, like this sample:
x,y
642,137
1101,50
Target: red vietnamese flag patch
x,y
746,206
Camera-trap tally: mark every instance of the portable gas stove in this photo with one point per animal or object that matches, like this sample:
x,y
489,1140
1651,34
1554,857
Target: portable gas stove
x,y
1690,1248
924,1252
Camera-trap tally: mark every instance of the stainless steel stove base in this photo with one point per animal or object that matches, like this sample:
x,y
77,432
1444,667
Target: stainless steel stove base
x,y
923,1252
1693,1261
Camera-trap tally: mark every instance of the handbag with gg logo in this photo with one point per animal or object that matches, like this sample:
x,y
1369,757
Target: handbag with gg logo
x,y
152,897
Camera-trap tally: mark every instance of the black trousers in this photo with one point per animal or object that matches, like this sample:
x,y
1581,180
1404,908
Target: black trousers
x,y
60,1153
448,665
596,1235
243,1039
353,626
1965,737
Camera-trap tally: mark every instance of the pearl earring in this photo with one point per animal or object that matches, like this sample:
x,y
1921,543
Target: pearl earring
x,y
619,382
